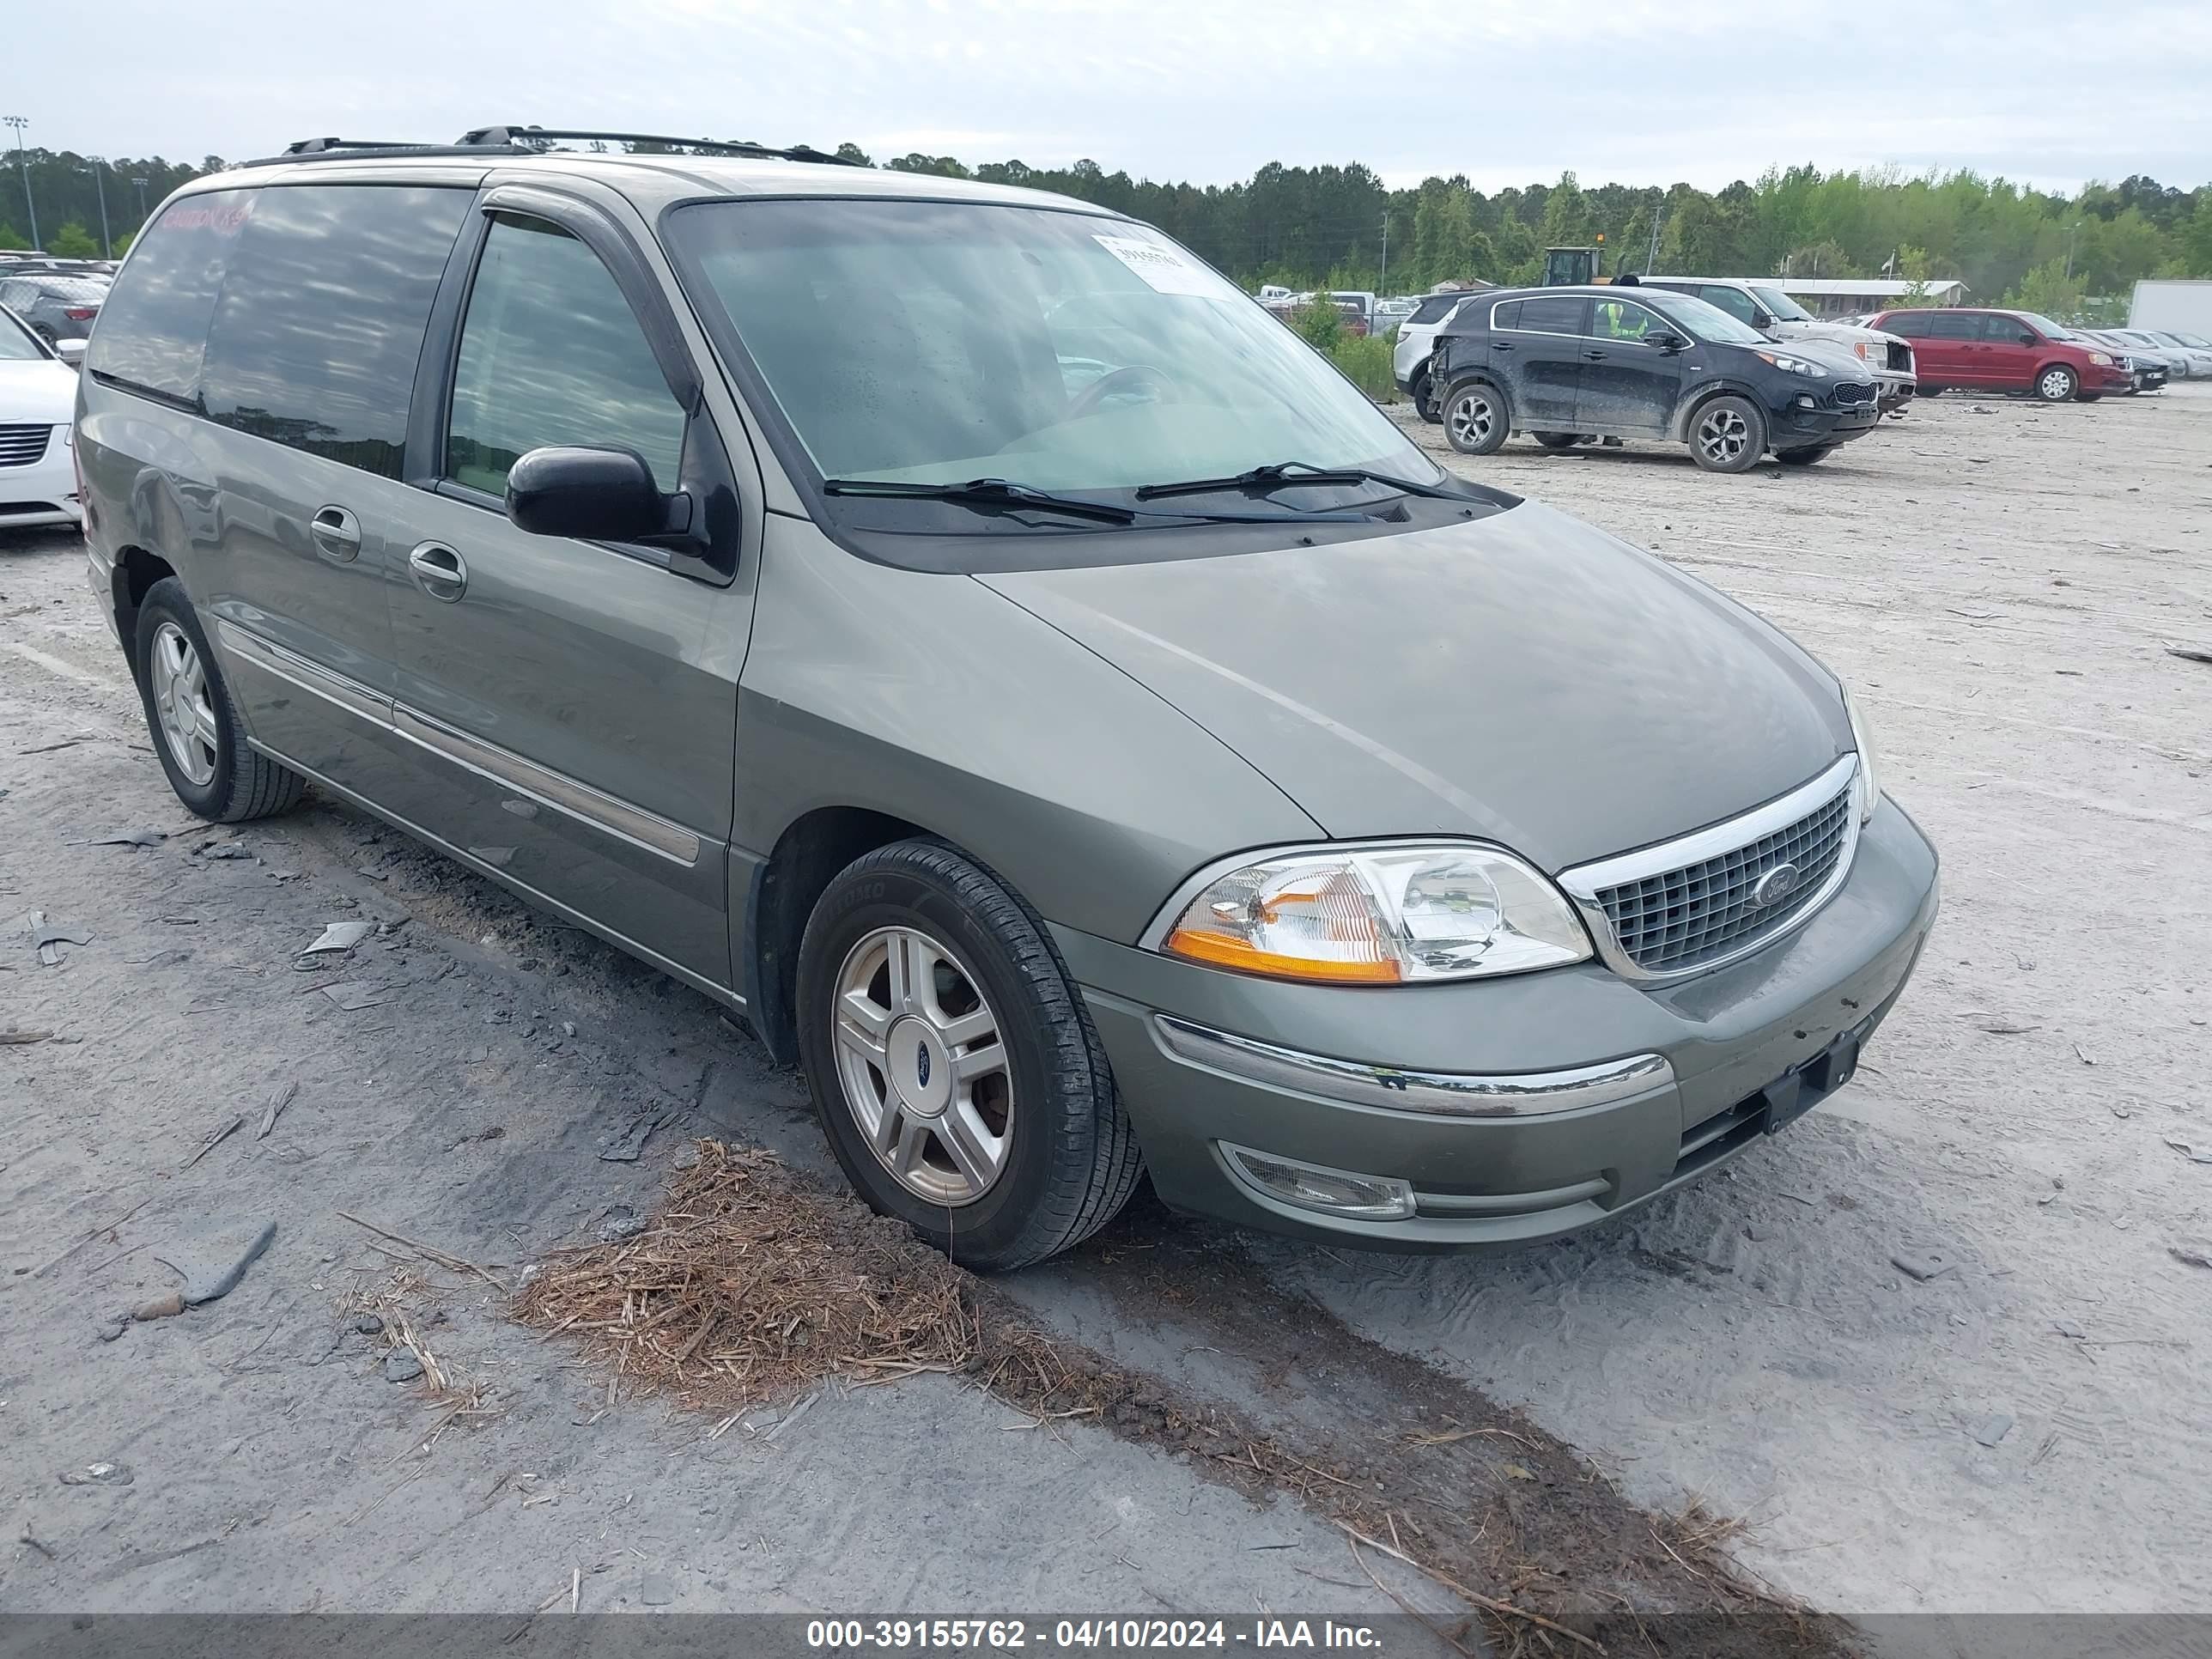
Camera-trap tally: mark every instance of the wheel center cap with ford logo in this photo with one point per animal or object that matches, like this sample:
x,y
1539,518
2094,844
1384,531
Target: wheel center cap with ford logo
x,y
1775,885
921,1071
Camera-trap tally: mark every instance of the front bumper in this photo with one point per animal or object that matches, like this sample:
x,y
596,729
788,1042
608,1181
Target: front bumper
x,y
41,492
1510,1166
1791,425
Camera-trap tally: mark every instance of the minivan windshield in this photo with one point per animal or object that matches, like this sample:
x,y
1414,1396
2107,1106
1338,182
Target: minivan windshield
x,y
938,343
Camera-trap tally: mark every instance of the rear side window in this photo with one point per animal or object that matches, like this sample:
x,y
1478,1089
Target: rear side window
x,y
153,328
1435,308
552,354
1563,315
1955,325
316,338
1912,325
1506,313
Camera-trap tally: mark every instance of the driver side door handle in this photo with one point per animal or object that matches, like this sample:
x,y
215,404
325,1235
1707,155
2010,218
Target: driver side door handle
x,y
438,571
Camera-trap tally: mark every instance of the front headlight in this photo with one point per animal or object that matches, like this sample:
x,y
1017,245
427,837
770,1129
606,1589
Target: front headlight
x,y
1859,349
1793,365
2101,359
1862,740
1380,915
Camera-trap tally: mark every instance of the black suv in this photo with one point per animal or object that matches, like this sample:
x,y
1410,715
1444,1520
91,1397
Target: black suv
x,y
1567,364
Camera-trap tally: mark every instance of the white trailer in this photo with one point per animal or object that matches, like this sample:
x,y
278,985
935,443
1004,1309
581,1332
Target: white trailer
x,y
2176,306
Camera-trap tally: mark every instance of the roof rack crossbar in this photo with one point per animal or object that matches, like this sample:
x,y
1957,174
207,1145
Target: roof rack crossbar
x,y
509,136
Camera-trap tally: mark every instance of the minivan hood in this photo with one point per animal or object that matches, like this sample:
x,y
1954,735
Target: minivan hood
x,y
1523,678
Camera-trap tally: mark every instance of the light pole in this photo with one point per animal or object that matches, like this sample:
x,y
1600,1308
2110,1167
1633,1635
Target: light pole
x,y
23,156
99,172
2071,231
141,182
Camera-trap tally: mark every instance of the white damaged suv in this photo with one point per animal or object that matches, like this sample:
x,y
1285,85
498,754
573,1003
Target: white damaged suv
x,y
1888,359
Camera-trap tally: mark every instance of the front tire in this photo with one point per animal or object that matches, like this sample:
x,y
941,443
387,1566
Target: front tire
x,y
194,722
1728,435
957,1075
1560,440
1475,418
2056,384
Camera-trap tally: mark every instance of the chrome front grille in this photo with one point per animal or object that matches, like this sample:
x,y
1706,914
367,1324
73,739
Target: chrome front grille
x,y
1708,898
21,445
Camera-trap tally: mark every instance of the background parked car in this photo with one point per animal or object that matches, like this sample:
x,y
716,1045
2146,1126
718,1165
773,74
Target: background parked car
x,y
1566,364
2180,361
57,307
2197,351
38,400
1409,356
1888,359
1985,351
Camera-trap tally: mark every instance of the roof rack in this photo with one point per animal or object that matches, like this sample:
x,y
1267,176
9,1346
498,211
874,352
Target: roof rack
x,y
369,149
512,136
530,141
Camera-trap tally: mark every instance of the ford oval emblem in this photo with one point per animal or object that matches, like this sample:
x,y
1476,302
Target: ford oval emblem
x,y
1775,885
921,1058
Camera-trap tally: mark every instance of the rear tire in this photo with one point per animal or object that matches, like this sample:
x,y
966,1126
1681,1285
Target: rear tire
x,y
956,1072
1728,435
1561,440
1476,420
2056,384
1810,456
194,723
1424,404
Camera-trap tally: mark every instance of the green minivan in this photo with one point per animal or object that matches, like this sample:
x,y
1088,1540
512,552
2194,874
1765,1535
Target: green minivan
x,y
954,628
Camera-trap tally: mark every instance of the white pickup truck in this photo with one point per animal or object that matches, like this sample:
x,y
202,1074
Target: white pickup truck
x,y
1765,306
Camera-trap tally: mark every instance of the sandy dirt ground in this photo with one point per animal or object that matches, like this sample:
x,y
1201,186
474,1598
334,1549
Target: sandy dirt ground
x,y
2000,582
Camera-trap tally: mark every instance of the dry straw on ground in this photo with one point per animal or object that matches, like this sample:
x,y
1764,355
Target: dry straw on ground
x,y
754,1285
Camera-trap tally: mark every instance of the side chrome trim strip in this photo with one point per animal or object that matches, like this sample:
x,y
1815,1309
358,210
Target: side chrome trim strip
x,y
550,788
721,994
1445,1094
564,795
1583,883
295,669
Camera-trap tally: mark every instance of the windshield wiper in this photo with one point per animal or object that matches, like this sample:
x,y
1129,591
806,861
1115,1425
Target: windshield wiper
x,y
981,492
998,492
1276,474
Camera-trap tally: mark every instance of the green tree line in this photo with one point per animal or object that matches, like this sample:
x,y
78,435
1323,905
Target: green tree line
x,y
1333,226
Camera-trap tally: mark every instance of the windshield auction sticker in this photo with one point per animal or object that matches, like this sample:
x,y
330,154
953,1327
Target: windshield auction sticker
x,y
1161,267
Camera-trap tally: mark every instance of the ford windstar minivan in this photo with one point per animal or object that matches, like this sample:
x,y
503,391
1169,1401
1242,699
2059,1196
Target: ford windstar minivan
x,y
955,628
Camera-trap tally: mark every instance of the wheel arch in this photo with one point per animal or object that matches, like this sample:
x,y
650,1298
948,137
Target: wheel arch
x,y
1695,400
806,858
132,578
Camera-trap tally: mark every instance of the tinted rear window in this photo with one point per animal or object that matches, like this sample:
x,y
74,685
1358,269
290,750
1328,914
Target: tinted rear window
x,y
1955,325
1435,308
153,328
316,338
1555,316
1912,325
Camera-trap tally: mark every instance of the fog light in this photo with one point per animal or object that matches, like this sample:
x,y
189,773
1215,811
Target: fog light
x,y
1312,1186
1804,400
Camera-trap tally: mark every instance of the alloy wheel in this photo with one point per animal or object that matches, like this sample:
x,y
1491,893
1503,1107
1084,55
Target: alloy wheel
x,y
183,705
1722,435
922,1066
1473,416
2055,386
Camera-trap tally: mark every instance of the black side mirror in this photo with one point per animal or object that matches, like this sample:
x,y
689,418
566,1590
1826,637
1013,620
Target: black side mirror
x,y
2027,338
1761,317
1664,341
598,495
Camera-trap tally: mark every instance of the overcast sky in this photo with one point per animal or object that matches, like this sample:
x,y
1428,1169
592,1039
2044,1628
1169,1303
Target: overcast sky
x,y
1505,91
